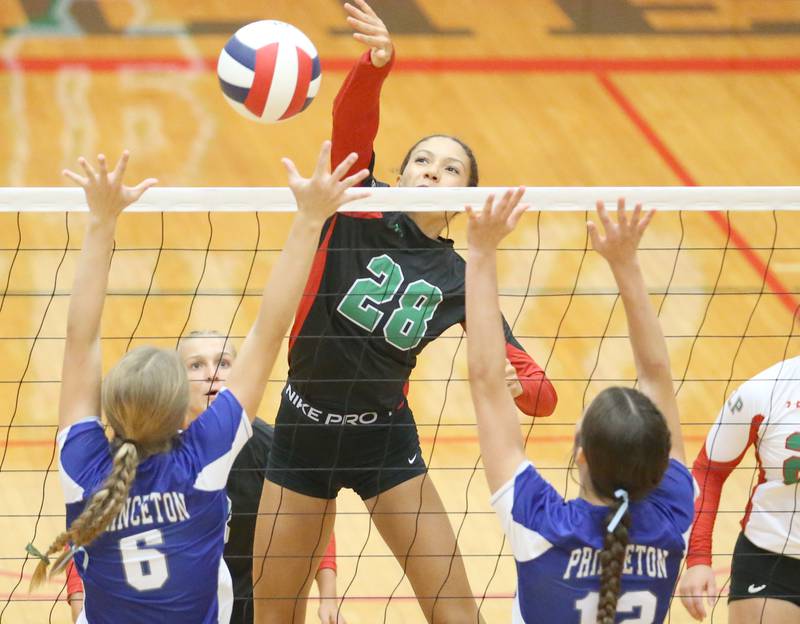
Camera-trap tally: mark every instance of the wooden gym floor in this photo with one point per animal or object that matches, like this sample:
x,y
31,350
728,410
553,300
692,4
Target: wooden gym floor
x,y
548,92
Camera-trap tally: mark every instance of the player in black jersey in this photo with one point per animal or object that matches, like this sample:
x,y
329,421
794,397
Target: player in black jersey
x,y
382,287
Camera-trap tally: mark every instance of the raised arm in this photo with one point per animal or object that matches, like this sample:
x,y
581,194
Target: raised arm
x,y
650,355
356,109
498,428
317,199
81,375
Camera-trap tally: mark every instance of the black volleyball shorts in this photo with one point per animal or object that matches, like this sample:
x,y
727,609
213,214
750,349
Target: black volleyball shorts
x,y
317,451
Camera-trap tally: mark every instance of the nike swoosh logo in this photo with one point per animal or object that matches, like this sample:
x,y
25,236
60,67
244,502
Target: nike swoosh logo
x,y
754,589
411,461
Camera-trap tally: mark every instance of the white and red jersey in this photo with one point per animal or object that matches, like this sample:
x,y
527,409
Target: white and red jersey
x,y
764,412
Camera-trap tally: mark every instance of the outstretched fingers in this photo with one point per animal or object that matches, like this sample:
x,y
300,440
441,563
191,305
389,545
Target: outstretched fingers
x,y
90,172
137,191
363,27
365,8
77,179
355,12
323,160
343,167
122,165
642,224
602,214
488,206
101,160
357,178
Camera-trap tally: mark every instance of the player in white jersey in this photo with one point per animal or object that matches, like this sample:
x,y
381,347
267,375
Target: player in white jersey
x,y
146,512
613,554
765,574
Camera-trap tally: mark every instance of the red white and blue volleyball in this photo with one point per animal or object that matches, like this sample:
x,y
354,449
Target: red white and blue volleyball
x,y
269,71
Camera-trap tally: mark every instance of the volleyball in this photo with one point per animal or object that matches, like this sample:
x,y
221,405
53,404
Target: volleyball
x,y
269,71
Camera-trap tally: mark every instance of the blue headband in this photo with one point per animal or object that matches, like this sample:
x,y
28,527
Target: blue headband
x,y
623,508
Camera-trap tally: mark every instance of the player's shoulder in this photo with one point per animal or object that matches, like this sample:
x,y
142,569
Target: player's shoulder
x,y
89,426
784,371
770,382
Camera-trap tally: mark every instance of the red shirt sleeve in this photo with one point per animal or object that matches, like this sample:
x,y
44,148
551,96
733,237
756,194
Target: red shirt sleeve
x,y
329,558
538,396
710,476
356,112
74,583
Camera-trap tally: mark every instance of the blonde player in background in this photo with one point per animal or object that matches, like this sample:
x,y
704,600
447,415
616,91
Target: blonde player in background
x,y
765,573
208,357
146,511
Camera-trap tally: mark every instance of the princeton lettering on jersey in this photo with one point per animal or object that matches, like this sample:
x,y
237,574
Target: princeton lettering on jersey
x,y
153,508
639,560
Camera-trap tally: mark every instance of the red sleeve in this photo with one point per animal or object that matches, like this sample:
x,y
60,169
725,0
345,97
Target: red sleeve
x,y
74,583
329,558
538,396
356,111
710,476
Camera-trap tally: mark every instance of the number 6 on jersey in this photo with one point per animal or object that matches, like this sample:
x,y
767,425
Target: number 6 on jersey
x,y
145,568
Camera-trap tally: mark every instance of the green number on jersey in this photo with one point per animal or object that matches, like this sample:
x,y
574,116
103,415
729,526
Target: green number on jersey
x,y
791,467
357,303
409,322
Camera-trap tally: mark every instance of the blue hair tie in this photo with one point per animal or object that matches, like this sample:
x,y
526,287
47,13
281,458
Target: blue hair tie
x,y
623,508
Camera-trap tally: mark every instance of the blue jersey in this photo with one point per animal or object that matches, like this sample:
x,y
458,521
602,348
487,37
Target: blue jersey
x,y
557,543
160,559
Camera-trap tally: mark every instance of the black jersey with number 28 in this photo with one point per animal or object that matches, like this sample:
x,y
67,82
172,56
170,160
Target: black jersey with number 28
x,y
380,290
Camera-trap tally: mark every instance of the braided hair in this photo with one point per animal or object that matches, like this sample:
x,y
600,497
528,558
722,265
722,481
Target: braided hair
x,y
626,442
101,509
145,398
612,560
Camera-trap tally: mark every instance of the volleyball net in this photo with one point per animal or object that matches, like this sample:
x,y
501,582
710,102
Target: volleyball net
x,y
722,266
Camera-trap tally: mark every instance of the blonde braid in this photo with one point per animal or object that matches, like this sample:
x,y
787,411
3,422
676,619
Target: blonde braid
x,y
101,509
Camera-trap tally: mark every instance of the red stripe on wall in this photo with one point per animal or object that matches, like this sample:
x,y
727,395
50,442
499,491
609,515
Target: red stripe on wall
x,y
487,65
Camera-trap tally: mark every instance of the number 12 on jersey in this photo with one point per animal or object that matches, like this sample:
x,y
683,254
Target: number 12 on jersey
x,y
641,605
407,323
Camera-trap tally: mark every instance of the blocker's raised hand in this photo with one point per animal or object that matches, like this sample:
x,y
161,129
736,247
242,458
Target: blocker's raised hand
x,y
622,238
492,224
106,195
319,196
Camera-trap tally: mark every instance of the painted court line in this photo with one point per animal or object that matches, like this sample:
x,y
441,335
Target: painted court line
x,y
790,302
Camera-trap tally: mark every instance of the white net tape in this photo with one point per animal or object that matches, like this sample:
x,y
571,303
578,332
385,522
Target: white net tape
x,y
266,199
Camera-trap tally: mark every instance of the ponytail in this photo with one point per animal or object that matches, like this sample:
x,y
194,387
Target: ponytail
x,y
100,510
612,557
